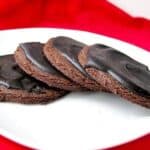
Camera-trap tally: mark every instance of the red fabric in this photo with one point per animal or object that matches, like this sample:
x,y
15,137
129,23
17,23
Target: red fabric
x,y
142,143
6,144
139,144
91,15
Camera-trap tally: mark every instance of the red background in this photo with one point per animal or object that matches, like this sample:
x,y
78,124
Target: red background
x,y
97,16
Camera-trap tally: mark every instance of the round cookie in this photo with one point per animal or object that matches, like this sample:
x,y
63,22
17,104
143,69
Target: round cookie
x,y
62,52
30,58
16,86
117,72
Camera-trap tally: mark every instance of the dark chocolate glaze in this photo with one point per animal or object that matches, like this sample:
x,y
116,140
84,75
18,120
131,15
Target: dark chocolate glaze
x,y
12,77
70,49
130,73
34,54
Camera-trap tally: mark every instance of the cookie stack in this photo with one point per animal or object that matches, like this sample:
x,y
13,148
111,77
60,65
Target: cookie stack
x,y
40,73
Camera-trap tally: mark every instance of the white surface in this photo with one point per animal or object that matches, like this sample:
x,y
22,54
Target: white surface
x,y
79,121
136,8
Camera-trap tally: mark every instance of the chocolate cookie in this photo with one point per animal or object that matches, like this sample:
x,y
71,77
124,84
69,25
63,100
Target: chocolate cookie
x,y
117,72
30,58
16,86
62,52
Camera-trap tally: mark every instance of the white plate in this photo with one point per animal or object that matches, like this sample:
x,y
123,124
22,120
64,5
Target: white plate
x,y
79,121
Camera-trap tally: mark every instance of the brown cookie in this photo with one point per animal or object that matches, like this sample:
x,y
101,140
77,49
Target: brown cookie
x,y
30,58
62,52
16,86
117,72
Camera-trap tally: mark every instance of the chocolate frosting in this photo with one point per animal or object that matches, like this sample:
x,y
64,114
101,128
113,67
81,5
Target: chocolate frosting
x,y
130,73
70,49
34,54
12,77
